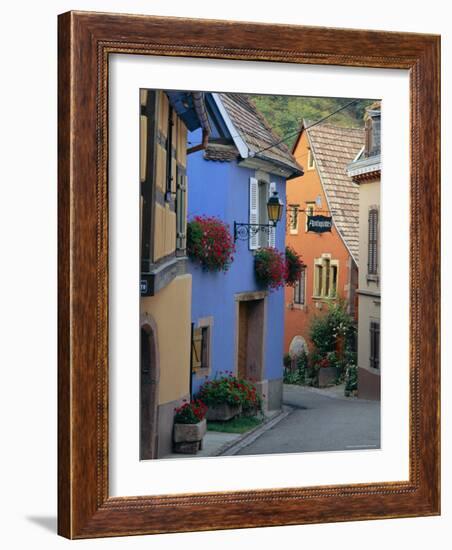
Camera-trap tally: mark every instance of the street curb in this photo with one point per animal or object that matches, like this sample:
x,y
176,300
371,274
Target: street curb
x,y
247,438
323,393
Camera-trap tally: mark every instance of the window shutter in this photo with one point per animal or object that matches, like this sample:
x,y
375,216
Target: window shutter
x,y
196,349
374,345
372,254
254,213
181,214
271,230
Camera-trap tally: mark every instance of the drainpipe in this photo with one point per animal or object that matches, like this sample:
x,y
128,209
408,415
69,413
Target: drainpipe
x,y
200,108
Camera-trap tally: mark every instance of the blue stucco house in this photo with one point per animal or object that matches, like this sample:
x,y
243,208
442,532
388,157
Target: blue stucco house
x,y
237,325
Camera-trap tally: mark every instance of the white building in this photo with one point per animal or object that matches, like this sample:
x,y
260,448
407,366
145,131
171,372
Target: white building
x,y
365,170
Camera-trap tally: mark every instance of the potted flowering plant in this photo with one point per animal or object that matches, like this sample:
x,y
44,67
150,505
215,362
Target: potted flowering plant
x,y
228,396
294,265
327,371
251,401
189,426
223,396
270,268
210,243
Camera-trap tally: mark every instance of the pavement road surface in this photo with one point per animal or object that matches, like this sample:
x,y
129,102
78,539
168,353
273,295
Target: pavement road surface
x,y
320,421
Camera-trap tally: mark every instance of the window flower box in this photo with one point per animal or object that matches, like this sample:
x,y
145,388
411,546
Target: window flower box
x,y
188,437
223,411
210,243
190,427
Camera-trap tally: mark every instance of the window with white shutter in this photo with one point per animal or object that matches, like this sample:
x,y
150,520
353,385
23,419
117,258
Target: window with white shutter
x,y
372,253
254,212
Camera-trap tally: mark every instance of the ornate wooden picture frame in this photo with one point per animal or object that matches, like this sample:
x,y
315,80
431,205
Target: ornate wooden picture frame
x,y
86,40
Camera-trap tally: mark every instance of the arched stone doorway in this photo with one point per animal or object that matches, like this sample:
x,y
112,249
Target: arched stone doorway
x,y
149,379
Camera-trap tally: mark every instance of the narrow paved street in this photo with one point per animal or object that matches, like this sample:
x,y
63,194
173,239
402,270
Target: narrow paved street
x,y
320,421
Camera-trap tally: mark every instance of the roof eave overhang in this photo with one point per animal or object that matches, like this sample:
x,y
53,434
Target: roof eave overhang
x,y
238,140
364,166
271,166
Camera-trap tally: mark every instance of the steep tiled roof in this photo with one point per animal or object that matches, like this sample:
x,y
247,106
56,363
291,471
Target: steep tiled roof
x,y
256,133
223,153
334,147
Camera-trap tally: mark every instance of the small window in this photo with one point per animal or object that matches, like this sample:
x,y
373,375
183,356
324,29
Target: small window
x,y
310,210
205,332
311,161
333,281
201,348
318,280
293,217
299,290
374,359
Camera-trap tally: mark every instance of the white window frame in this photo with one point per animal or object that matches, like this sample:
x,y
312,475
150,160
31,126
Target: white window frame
x,y
309,204
293,217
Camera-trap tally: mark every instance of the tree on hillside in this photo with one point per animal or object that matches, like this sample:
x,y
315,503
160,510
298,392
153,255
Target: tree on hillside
x,y
285,113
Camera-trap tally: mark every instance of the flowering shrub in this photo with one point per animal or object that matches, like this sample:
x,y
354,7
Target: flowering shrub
x,y
294,265
190,413
251,401
328,329
210,243
270,267
324,363
231,390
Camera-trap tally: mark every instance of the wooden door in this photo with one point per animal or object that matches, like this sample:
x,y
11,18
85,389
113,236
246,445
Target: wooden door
x,y
250,353
242,339
148,395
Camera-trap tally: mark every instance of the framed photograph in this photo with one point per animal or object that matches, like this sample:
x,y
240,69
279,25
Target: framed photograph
x,y
248,275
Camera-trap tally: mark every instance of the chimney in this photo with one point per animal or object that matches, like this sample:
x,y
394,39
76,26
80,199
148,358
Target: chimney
x,y
373,130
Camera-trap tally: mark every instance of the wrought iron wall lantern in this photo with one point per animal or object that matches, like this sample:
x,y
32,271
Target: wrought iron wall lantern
x,y
244,231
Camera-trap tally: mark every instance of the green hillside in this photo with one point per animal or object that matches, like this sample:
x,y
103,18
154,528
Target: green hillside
x,y
285,113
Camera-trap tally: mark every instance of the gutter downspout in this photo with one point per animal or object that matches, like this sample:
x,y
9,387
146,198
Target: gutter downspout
x,y
200,108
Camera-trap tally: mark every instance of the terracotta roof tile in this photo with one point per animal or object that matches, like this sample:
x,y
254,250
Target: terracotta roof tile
x,y
256,132
334,147
220,152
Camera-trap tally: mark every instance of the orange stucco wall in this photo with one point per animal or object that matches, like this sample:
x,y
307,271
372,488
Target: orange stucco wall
x,y
311,246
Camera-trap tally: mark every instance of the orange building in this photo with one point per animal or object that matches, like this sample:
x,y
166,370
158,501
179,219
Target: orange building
x,y
330,257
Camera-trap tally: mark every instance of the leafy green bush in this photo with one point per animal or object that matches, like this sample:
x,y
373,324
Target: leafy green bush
x,y
351,379
297,375
328,329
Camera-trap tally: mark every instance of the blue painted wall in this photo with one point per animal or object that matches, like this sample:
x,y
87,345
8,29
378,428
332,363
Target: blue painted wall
x,y
222,189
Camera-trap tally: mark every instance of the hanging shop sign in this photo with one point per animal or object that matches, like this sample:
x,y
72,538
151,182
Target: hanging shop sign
x,y
320,224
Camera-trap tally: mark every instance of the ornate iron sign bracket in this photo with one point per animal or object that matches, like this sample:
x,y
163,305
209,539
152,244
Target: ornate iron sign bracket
x,y
244,231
